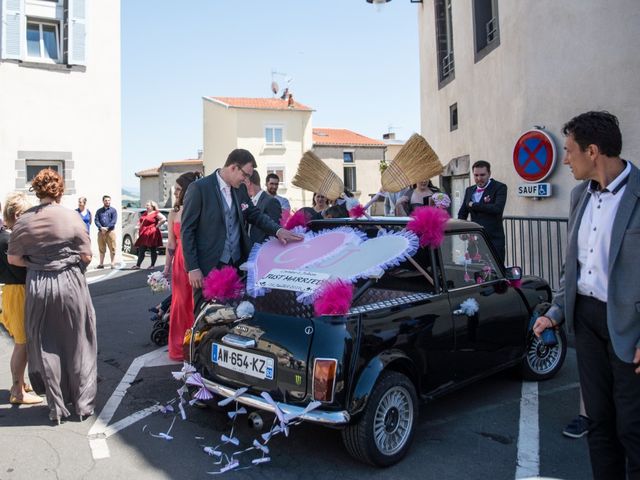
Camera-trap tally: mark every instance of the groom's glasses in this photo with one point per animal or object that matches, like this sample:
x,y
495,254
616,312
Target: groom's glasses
x,y
245,174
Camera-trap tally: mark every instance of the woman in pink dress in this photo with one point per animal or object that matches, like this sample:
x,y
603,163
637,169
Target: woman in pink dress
x,y
181,315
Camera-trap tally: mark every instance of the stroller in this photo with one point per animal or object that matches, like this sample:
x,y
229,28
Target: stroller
x,y
160,319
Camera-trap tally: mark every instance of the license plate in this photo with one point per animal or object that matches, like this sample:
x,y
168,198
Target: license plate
x,y
248,363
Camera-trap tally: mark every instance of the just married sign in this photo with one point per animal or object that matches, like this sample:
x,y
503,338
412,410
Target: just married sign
x,y
293,280
345,253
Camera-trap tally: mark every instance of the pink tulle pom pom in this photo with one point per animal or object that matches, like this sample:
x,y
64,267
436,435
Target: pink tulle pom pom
x,y
222,285
429,224
298,219
357,211
334,298
284,218
515,283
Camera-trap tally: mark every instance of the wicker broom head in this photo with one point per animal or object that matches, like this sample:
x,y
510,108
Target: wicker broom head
x,y
415,162
314,175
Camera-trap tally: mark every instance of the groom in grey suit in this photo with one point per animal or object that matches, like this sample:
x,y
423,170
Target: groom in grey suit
x,y
599,296
216,209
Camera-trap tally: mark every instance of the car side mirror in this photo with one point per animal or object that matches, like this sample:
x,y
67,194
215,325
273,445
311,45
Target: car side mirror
x,y
514,273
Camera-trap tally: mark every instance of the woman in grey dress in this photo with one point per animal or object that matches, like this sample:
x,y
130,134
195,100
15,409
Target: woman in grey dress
x,y
52,242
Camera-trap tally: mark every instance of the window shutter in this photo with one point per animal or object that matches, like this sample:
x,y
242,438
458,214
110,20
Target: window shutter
x,y
13,29
76,30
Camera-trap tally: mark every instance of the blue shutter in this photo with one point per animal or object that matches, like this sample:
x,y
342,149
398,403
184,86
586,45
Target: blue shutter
x,y
76,32
13,27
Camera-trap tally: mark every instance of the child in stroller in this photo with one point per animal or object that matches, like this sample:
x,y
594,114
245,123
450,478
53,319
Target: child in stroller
x,y
160,317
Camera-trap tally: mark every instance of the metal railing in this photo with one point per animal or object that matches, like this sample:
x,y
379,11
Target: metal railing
x,y
537,244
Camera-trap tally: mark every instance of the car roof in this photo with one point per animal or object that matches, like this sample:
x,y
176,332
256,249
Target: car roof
x,y
453,225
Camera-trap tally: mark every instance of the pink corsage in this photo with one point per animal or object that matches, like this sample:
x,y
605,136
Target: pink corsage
x,y
487,199
243,206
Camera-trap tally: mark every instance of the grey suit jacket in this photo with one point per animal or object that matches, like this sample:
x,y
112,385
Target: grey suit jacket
x,y
270,206
623,302
202,229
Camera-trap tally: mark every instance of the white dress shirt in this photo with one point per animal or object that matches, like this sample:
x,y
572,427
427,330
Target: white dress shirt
x,y
256,197
225,189
594,236
477,195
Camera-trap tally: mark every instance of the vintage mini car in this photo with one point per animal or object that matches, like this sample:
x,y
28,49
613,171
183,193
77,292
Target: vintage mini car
x,y
415,331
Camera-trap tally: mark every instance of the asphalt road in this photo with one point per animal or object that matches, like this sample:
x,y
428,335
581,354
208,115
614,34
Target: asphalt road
x,y
472,433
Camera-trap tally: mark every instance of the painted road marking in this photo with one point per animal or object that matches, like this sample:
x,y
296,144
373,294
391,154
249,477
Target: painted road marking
x,y
101,430
528,460
106,276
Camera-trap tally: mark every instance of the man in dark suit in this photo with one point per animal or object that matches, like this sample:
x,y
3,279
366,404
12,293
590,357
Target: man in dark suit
x,y
485,202
215,210
599,295
266,204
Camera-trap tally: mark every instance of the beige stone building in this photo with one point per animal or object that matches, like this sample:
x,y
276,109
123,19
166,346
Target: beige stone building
x,y
275,131
278,132
353,157
157,183
60,97
491,70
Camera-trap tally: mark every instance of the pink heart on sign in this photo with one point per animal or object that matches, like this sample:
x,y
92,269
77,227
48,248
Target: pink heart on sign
x,y
297,254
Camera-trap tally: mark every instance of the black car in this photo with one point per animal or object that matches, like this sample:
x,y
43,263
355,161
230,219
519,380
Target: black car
x,y
405,339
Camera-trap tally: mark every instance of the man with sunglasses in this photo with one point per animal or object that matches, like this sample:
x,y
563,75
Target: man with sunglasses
x,y
216,210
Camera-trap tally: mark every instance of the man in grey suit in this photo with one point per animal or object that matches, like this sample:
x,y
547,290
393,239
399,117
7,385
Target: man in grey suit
x,y
266,204
215,210
599,295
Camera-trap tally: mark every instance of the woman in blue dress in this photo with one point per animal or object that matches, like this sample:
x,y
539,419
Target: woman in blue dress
x,y
84,212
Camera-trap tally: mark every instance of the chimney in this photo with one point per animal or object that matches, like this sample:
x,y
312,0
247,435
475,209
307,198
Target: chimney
x,y
200,152
389,136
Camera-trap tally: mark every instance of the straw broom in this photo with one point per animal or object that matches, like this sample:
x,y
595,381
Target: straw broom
x,y
315,176
415,162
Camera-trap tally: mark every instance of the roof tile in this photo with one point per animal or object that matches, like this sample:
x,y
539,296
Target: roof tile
x,y
341,136
261,103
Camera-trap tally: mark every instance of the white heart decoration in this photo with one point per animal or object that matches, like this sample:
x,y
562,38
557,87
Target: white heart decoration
x,y
369,257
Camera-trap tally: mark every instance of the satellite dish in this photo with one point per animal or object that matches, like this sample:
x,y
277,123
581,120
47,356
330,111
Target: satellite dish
x,y
275,87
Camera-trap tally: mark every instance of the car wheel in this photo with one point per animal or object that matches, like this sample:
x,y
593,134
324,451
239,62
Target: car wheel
x,y
542,362
127,244
385,430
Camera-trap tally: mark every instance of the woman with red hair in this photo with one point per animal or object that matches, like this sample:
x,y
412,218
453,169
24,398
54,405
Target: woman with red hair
x,y
52,243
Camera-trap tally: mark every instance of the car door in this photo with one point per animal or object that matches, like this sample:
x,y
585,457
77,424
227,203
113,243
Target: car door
x,y
422,328
487,312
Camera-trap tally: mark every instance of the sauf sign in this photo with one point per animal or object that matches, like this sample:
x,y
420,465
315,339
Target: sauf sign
x,y
534,157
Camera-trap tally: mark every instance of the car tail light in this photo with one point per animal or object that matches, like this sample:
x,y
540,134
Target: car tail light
x,y
324,379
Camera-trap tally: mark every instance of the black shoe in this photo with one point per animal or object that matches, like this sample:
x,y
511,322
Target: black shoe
x,y
577,428
155,310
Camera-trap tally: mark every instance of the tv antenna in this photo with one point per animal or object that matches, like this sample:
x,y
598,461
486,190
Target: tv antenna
x,y
275,87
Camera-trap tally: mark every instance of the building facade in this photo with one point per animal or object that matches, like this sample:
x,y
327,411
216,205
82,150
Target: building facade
x,y
276,131
60,96
491,70
157,183
353,157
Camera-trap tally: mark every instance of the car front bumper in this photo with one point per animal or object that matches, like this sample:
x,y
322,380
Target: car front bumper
x,y
321,417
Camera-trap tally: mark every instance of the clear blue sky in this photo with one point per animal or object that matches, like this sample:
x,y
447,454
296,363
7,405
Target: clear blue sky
x,y
358,68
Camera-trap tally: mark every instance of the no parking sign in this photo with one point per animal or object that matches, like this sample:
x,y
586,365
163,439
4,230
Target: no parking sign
x,y
534,155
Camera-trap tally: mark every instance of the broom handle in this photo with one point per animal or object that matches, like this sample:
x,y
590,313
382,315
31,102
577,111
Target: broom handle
x,y
413,262
370,202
